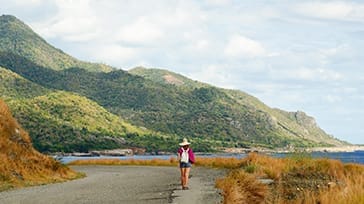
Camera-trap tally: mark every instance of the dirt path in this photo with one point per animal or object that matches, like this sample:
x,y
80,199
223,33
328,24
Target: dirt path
x,y
122,184
201,187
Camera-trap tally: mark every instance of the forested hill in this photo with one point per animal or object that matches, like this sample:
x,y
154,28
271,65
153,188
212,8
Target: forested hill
x,y
18,38
290,123
60,121
170,104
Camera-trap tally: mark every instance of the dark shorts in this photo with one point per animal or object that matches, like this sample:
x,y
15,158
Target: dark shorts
x,y
185,165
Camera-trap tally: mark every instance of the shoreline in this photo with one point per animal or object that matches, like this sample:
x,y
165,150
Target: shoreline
x,y
351,148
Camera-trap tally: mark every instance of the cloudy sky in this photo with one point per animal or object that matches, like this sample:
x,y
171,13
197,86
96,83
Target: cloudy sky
x,y
293,55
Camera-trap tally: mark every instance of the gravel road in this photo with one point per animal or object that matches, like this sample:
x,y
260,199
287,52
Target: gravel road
x,y
122,184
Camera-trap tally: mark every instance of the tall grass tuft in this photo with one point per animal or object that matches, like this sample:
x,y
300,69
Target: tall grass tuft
x,y
241,187
302,180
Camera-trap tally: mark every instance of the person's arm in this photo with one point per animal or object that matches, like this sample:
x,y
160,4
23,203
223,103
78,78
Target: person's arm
x,y
191,156
179,155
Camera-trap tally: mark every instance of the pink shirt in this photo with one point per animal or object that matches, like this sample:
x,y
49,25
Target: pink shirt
x,y
191,156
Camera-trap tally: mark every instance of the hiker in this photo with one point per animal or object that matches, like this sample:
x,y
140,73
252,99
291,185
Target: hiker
x,y
186,158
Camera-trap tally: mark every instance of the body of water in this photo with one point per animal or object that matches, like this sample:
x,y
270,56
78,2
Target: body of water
x,y
346,157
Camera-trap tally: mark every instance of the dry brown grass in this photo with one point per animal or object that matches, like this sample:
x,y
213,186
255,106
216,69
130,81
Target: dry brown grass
x,y
137,162
21,164
241,187
229,163
297,180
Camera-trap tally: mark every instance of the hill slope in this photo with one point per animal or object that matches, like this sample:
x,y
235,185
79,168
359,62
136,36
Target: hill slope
x,y
223,117
63,121
20,163
295,124
172,104
18,38
166,77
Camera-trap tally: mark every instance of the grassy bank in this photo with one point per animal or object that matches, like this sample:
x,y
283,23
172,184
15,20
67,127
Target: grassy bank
x,y
295,179
20,164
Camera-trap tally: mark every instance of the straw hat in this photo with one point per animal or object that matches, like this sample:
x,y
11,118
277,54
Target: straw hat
x,y
185,142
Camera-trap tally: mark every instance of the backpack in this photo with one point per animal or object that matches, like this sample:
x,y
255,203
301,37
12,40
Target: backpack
x,y
184,156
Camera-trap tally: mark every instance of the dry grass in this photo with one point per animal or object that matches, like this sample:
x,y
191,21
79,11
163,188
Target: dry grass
x,y
137,162
241,187
21,164
229,163
297,179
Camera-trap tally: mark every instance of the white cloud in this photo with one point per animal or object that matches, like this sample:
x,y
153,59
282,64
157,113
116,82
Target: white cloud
x,y
141,32
74,20
308,74
334,50
28,2
338,10
218,2
114,53
333,98
242,47
202,44
217,75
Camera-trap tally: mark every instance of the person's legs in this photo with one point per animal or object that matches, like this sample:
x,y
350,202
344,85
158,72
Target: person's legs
x,y
187,173
183,181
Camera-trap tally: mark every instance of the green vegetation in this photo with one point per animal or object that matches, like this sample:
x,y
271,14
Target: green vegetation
x,y
62,121
71,107
162,76
18,38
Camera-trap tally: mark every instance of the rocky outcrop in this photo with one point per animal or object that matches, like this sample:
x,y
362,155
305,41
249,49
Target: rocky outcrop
x,y
113,152
304,120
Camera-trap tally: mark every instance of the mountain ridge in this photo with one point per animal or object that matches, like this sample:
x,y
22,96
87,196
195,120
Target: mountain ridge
x,y
172,104
241,97
49,115
19,38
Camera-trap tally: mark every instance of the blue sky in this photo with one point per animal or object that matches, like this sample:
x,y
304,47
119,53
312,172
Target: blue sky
x,y
292,55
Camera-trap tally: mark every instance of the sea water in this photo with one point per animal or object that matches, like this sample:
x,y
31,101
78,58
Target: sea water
x,y
346,157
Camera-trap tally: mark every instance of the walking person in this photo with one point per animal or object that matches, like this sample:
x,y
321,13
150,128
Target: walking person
x,y
186,158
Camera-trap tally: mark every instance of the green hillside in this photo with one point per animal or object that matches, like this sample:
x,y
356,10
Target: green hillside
x,y
62,121
166,77
18,38
206,113
157,100
16,87
294,124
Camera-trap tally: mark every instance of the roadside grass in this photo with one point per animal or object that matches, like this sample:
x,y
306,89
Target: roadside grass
x,y
20,164
227,163
241,187
295,179
136,162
